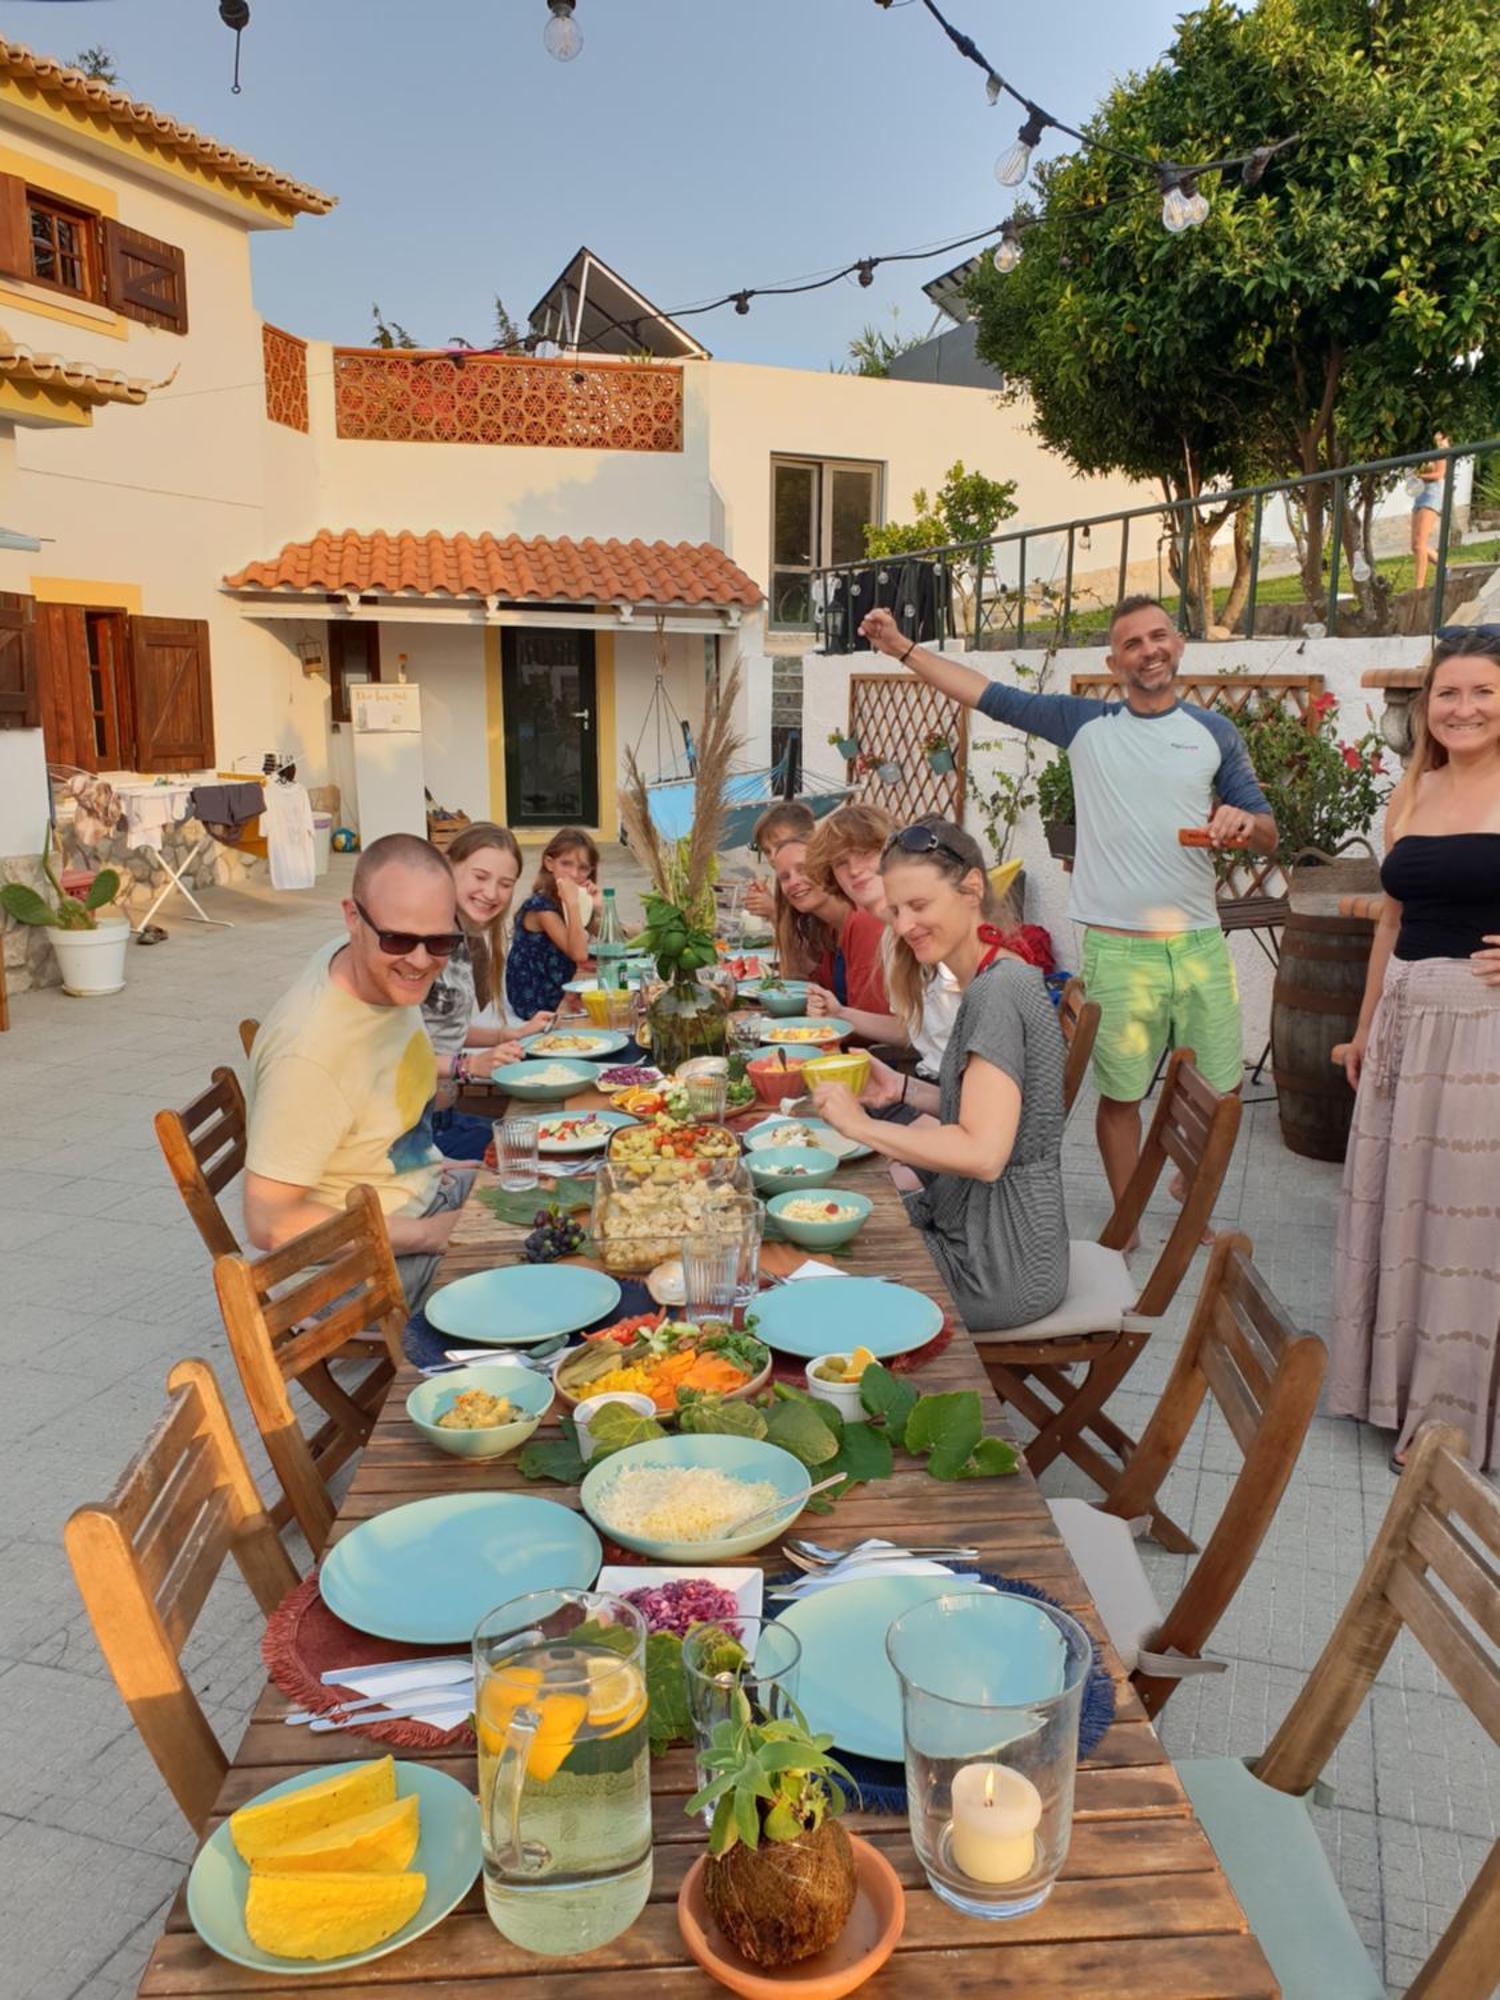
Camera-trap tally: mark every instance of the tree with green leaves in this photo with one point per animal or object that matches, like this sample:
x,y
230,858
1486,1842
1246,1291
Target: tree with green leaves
x,y
872,349
390,334
1342,306
969,507
97,62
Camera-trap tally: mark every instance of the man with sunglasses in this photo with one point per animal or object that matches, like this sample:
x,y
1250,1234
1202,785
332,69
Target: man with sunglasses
x,y
342,1076
1145,766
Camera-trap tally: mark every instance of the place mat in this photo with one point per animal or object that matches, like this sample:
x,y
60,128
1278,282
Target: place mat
x,y
303,1640
882,1785
793,1368
426,1347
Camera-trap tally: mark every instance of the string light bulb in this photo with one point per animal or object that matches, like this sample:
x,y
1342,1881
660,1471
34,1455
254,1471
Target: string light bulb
x,y
562,37
742,302
1012,166
1007,252
866,270
1182,206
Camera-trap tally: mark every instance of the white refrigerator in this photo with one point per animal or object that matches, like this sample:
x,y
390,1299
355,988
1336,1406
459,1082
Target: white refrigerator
x,y
388,782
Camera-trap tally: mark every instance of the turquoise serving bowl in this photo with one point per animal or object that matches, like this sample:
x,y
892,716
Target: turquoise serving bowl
x,y
527,1388
788,998
817,1235
831,1031
519,1079
772,1168
750,1459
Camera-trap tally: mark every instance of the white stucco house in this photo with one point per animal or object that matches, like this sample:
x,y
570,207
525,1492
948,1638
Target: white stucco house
x,y
218,527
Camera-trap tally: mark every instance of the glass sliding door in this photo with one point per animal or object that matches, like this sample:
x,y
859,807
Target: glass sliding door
x,y
551,728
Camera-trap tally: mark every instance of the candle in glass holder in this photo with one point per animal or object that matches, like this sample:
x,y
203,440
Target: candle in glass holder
x,y
996,1812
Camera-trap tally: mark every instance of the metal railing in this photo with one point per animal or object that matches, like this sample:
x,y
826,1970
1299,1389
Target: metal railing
x,y
1049,585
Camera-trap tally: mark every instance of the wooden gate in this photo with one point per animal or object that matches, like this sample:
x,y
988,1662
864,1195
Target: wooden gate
x,y
892,716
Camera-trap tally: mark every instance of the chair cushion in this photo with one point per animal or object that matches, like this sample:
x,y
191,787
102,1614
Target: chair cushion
x,y
1100,1294
1269,1849
1110,1563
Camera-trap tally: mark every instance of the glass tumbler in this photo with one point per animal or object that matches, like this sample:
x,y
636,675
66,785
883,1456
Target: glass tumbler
x,y
747,1216
991,1690
516,1158
755,1656
710,1272
747,1032
706,1097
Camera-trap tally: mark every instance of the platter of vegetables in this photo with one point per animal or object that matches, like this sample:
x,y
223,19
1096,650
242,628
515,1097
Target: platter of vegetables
x,y
653,1355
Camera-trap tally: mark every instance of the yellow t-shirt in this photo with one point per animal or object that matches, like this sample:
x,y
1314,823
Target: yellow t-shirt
x,y
341,1096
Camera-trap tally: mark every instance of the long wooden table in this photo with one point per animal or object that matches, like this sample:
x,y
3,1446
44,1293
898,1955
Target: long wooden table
x,y
1142,1907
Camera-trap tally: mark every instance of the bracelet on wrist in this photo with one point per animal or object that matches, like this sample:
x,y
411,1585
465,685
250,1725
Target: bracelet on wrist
x,y
905,1086
909,651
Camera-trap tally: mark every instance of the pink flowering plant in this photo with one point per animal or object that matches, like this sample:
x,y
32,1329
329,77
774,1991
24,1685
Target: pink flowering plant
x,y
1323,788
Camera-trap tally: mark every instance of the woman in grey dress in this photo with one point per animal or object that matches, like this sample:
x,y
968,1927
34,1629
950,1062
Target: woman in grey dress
x,y
981,1169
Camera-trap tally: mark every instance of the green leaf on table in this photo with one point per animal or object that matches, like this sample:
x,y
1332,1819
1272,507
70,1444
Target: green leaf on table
x,y
668,1719
716,1416
799,1429
520,1207
991,1458
886,1395
864,1454
552,1458
947,1427
616,1425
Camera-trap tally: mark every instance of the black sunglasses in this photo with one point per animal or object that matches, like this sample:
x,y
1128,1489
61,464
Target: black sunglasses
x,y
396,944
924,840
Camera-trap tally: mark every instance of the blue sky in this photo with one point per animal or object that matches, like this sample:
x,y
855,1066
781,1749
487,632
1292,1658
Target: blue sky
x,y
696,145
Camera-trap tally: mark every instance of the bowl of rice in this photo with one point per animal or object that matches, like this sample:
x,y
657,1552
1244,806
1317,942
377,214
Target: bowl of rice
x,y
774,1168
451,1410
820,1221
537,1082
679,1499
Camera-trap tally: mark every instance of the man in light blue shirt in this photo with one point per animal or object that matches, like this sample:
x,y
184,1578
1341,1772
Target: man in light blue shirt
x,y
1154,954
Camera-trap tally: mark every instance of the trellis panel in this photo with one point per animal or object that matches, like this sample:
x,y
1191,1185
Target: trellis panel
x,y
286,377
891,716
406,397
1231,692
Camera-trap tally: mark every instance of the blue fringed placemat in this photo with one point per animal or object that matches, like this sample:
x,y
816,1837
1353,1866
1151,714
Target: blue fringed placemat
x,y
427,1347
882,1785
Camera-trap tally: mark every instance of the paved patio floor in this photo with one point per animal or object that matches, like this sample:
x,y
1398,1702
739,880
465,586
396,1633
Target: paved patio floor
x,y
106,1284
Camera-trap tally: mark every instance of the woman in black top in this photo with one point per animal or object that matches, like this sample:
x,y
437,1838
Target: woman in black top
x,y
1417,1268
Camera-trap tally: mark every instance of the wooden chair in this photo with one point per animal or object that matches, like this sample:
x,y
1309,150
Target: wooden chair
x,y
1078,1017
146,1558
1242,1350
1435,1569
1105,1318
204,1147
248,1031
287,1315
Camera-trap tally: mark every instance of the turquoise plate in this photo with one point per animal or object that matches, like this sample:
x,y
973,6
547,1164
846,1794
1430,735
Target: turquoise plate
x,y
750,1459
519,1079
613,1119
448,1854
846,1685
517,1304
600,1042
834,1030
427,1573
831,1141
818,1316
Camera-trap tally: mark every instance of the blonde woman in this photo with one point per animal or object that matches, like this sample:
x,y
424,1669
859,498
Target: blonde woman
x,y
1417,1270
843,859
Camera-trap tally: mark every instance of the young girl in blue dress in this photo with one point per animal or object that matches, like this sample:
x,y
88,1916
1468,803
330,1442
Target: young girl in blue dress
x,y
551,936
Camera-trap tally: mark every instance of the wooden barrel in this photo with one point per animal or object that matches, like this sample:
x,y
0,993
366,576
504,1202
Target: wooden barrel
x,y
1315,1003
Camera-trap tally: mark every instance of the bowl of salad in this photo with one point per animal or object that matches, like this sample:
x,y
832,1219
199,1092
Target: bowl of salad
x,y
783,996
660,1357
820,1221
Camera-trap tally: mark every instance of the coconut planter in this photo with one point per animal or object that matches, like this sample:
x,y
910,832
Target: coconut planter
x,y
784,1900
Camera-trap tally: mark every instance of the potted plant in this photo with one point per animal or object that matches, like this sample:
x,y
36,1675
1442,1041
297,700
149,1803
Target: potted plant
x,y
780,1876
939,753
90,949
847,746
1054,804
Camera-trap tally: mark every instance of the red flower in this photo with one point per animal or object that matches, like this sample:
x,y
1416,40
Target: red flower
x,y
1377,763
1321,703
1351,756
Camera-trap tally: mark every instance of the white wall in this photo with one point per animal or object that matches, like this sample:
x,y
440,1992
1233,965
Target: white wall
x,y
447,662
1341,662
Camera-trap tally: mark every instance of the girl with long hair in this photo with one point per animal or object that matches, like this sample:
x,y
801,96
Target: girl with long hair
x,y
1416,1332
982,1168
822,938
552,931
843,860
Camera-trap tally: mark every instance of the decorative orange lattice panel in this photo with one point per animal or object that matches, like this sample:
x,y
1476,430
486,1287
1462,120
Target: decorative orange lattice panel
x,y
892,716
409,397
286,377
1294,692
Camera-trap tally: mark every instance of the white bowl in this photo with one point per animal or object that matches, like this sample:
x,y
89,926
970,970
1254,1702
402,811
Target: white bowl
x,y
844,1396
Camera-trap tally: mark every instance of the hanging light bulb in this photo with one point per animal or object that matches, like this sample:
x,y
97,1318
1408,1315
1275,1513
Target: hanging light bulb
x,y
1197,204
562,37
1011,167
1359,568
866,270
742,302
1008,250
1182,207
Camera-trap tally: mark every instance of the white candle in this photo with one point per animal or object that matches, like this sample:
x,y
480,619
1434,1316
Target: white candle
x,y
996,1812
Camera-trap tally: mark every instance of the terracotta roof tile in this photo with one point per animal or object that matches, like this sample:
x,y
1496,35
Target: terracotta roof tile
x,y
98,100
84,380
544,569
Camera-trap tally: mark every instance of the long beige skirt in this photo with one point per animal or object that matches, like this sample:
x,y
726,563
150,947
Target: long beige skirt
x,y
1416,1327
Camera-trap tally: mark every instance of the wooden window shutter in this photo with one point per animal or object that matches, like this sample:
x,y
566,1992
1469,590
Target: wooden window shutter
x,y
20,693
15,228
144,278
172,694
62,657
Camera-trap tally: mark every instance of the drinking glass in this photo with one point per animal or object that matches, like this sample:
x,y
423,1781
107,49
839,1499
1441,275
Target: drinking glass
x,y
620,1008
991,1688
564,1768
516,1157
706,1096
755,1655
746,1216
747,1031
710,1272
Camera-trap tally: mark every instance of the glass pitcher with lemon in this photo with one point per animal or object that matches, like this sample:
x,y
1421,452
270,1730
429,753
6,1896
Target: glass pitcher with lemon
x,y
564,1770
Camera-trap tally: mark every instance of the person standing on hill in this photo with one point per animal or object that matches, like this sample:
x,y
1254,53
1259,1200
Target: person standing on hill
x,y
1154,954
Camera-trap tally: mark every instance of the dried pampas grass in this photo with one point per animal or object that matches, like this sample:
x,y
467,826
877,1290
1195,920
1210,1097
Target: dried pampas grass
x,y
683,871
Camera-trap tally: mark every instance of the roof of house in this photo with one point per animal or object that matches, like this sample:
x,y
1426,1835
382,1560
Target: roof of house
x,y
86,381
94,99
590,308
544,569
949,289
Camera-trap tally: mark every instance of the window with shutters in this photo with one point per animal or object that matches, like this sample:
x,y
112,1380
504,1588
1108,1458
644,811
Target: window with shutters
x,y
20,694
64,245
145,278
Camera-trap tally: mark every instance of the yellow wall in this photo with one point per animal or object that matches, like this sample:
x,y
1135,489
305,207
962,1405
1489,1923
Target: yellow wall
x,y
87,590
43,403
608,827
88,194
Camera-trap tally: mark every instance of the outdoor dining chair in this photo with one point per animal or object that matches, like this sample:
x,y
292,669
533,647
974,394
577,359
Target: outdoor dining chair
x,y
1435,1570
1242,1350
1078,1017
204,1147
291,1312
146,1559
1105,1318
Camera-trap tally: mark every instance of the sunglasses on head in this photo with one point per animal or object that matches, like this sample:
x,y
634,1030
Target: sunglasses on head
x,y
396,944
917,840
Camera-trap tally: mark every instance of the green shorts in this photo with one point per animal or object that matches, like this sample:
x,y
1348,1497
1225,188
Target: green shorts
x,y
1162,993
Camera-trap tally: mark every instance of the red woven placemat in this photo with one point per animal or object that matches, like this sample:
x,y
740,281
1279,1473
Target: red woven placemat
x,y
785,1368
303,1640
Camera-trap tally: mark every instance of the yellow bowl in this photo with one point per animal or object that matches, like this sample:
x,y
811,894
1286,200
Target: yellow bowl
x,y
596,1005
851,1066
